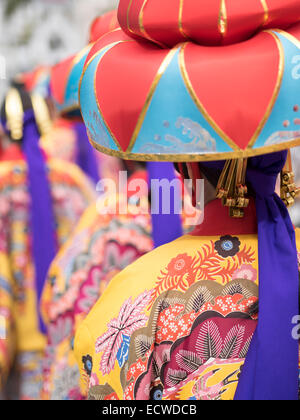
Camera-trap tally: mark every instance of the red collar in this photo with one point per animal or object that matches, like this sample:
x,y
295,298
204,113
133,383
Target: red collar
x,y
217,221
12,153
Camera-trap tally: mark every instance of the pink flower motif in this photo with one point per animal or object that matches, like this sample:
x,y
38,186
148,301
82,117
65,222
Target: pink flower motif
x,y
94,381
131,318
246,272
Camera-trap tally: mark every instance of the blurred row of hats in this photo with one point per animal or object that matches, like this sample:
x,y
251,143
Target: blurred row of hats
x,y
61,81
159,90
54,92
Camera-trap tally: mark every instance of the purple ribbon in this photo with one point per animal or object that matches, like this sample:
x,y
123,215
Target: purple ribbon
x,y
44,246
42,220
86,158
165,227
271,368
270,371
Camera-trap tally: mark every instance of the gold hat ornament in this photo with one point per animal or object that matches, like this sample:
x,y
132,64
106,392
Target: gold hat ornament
x,y
15,114
288,189
42,114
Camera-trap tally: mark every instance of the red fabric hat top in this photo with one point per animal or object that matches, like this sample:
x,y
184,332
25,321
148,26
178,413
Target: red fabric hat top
x,y
64,81
103,24
213,22
31,79
59,76
195,102
36,81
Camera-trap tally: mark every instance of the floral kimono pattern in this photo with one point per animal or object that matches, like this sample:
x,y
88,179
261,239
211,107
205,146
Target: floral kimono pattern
x,y
183,332
101,247
21,343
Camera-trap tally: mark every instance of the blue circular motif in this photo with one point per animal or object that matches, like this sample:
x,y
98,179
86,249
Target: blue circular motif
x,y
89,365
157,395
227,246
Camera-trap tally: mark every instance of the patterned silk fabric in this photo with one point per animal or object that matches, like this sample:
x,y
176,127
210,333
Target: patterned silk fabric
x,y
101,247
176,324
22,344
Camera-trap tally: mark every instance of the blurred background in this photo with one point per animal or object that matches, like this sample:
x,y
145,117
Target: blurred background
x,y
36,32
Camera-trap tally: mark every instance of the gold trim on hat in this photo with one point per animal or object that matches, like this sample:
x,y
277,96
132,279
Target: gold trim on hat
x,y
210,120
98,104
196,157
290,37
127,17
113,22
76,59
222,19
164,65
237,152
108,47
180,19
275,92
199,104
142,27
265,11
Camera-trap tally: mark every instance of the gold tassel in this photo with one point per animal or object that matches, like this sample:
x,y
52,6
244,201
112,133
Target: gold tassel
x,y
288,188
14,114
42,114
232,189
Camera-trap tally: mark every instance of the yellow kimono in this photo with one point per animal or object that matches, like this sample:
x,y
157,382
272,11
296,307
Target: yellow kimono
x,y
21,343
102,246
176,324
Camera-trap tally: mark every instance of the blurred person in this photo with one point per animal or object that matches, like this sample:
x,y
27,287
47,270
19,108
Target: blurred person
x,y
102,245
214,314
64,84
38,82
41,201
2,139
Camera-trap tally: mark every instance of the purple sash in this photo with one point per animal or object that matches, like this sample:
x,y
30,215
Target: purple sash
x,y
271,371
271,368
44,246
86,158
165,227
42,220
